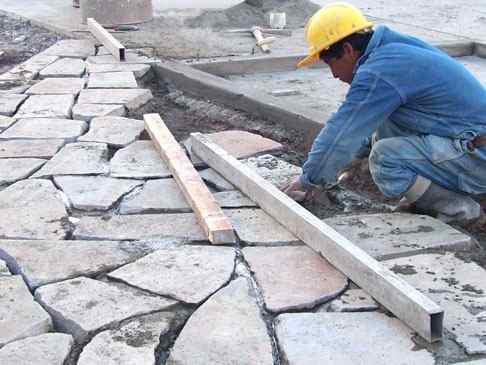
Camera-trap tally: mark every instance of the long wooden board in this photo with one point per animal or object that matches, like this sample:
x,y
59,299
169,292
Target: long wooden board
x,y
215,224
110,42
408,304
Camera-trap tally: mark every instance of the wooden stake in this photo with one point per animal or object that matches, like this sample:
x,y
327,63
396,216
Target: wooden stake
x,y
110,42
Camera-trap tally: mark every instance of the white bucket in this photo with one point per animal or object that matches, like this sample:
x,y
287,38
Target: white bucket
x,y
277,20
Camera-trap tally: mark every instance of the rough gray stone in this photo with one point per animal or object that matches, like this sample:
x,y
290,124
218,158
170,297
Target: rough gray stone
x,y
20,315
45,128
115,131
216,180
58,86
233,199
30,148
140,227
4,269
29,69
294,277
477,362
46,106
94,192
139,70
81,306
89,111
6,122
72,48
81,158
139,160
347,338
129,58
233,331
112,80
273,169
257,228
10,103
65,67
189,274
46,349
131,98
32,209
393,235
42,262
15,169
354,300
457,286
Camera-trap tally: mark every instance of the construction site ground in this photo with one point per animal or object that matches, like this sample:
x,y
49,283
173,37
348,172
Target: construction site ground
x,y
101,258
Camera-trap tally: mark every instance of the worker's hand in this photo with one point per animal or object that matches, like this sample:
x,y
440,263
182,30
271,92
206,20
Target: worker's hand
x,y
295,191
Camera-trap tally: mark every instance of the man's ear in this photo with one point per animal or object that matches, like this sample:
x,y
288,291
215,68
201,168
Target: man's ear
x,y
348,49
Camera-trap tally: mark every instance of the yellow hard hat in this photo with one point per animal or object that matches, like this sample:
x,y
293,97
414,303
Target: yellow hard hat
x,y
329,25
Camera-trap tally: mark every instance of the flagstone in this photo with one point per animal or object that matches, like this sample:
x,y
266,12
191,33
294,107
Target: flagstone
x,y
9,103
64,67
114,131
58,86
45,128
129,58
89,111
353,300
29,69
139,70
46,106
273,169
131,98
233,199
38,148
112,80
6,122
72,48
216,180
15,169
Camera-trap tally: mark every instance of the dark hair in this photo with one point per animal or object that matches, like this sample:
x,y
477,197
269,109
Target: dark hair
x,y
359,41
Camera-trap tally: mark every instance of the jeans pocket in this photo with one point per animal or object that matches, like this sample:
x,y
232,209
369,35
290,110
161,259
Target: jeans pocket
x,y
443,149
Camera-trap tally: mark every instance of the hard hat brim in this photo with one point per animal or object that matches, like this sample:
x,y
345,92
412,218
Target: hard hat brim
x,y
309,60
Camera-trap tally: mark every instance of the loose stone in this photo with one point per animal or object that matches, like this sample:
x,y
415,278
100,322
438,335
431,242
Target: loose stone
x,y
273,169
139,70
30,148
114,131
131,98
89,111
353,300
216,180
46,106
112,80
58,86
15,169
65,67
45,128
9,103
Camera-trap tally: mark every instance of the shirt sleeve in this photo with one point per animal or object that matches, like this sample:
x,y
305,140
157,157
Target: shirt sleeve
x,y
369,102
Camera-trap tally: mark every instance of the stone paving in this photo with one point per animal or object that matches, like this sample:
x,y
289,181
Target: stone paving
x,y
102,260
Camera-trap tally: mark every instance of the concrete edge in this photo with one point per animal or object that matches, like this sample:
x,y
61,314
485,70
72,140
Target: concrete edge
x,y
480,49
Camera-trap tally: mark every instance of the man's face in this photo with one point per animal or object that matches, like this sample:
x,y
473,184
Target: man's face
x,y
342,67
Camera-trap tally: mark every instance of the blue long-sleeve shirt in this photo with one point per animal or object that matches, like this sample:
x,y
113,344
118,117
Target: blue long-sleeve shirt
x,y
408,81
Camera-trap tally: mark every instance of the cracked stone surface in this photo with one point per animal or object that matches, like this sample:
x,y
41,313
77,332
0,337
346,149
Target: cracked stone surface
x,y
112,80
140,227
46,349
30,148
42,262
4,269
129,58
189,274
114,131
133,343
29,69
82,306
347,338
45,128
32,209
58,86
6,122
89,111
353,300
65,67
393,235
139,70
234,332
15,169
138,160
131,98
72,48
273,169
9,103
81,158
20,315
257,228
46,106
293,277
457,286
216,180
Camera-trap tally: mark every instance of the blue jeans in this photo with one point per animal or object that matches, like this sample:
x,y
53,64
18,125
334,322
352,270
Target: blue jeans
x,y
400,155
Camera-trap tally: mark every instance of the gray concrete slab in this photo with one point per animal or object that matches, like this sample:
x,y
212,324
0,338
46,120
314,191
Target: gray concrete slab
x,y
112,80
29,69
30,148
139,70
45,128
69,48
64,67
15,169
114,131
392,235
6,122
57,86
131,98
89,111
46,106
9,103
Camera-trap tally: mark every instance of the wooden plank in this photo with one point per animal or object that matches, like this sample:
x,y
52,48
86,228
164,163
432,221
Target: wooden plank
x,y
408,304
215,224
110,42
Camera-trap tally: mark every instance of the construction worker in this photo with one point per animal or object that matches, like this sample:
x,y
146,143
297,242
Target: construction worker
x,y
424,111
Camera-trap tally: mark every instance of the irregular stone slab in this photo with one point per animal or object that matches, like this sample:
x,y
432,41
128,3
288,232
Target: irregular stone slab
x,y
139,70
134,343
81,158
42,262
45,128
273,169
20,315
72,48
457,286
81,306
30,69
216,180
354,300
129,58
139,160
6,122
392,235
58,86
94,192
89,111
131,98
257,228
189,274
347,338
46,349
115,131
15,169
46,106
4,269
9,103
32,209
234,332
30,148
65,67
233,199
140,227
112,80
294,277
